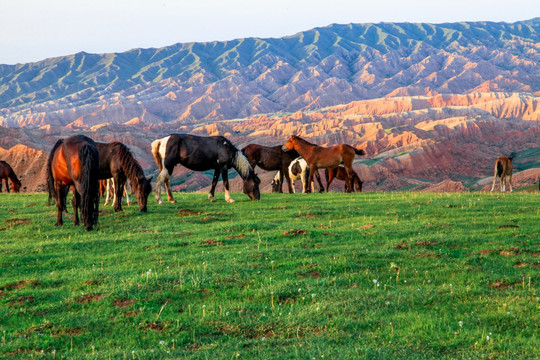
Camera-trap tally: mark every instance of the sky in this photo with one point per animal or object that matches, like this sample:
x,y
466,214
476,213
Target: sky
x,y
33,30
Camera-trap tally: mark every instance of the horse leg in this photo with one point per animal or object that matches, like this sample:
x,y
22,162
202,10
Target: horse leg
x,y
329,178
213,188
1,185
107,191
170,196
348,179
225,179
318,176
119,183
60,201
503,182
126,190
75,202
280,190
510,182
7,185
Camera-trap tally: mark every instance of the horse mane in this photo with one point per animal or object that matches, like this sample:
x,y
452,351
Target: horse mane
x,y
130,166
303,140
241,164
50,179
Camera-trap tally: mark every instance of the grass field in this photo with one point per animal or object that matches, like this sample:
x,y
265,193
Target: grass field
x,y
314,276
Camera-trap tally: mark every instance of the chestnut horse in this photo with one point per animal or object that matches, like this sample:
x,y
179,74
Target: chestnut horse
x,y
271,158
201,153
6,172
340,174
324,157
503,168
117,162
75,162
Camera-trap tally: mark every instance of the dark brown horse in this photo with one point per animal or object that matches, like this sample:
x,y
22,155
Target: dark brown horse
x,y
324,157
200,153
340,174
503,168
117,162
271,158
6,172
75,162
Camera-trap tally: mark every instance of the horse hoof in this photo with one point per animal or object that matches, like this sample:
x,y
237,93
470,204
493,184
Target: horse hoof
x,y
173,201
230,201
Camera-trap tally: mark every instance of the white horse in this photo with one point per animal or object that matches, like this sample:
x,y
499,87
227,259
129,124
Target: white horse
x,y
298,170
111,192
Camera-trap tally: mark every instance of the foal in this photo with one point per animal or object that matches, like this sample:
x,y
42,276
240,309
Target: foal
x,y
503,168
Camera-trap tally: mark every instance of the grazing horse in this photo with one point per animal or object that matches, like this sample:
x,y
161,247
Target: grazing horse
x,y
298,170
503,168
271,158
324,157
75,162
340,174
6,172
116,161
201,153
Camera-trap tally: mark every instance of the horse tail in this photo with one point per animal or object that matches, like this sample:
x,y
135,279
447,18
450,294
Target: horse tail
x,y
155,151
89,157
359,151
50,179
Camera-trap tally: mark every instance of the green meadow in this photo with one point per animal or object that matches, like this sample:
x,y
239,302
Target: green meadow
x,y
293,276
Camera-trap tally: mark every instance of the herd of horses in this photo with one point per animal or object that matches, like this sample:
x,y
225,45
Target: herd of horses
x,y
80,163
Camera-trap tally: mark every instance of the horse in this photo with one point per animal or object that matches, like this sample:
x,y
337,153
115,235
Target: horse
x,y
298,170
6,172
74,161
110,191
117,162
324,157
503,168
199,153
271,158
340,174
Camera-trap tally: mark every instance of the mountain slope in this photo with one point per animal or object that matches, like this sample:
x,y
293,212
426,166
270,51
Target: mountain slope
x,y
195,82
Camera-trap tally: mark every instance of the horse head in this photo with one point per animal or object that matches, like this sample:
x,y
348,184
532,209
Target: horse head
x,y
275,185
289,145
16,185
145,188
251,186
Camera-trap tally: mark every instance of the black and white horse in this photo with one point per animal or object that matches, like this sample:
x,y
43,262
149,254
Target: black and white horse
x,y
298,170
201,153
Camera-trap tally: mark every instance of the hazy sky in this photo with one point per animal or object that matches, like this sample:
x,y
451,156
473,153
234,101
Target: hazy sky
x,y
32,30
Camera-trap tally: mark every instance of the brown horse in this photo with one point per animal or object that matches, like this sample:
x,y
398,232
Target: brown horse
x,y
117,162
340,174
503,168
271,158
6,172
75,162
324,157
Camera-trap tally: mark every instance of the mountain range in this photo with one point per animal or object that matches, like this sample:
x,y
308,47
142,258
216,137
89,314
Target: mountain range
x,y
401,91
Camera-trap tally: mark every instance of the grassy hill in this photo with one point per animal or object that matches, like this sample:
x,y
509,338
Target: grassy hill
x,y
325,276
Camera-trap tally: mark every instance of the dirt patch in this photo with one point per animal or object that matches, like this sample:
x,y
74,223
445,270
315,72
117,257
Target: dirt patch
x,y
131,313
22,299
123,303
428,254
314,275
20,284
521,265
507,253
367,226
499,285
307,215
295,232
426,243
211,242
17,222
188,212
401,246
485,252
508,226
154,325
85,299
92,282
240,236
30,205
